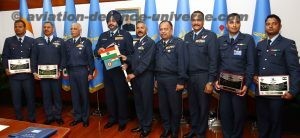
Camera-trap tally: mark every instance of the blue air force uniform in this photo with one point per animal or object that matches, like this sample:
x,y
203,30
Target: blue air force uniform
x,y
142,63
237,57
202,68
170,70
14,49
116,87
280,58
80,64
44,53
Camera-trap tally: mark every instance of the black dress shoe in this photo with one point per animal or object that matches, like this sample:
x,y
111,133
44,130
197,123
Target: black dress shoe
x,y
144,133
85,124
48,122
75,122
59,121
122,127
165,134
137,129
174,135
32,121
108,125
189,135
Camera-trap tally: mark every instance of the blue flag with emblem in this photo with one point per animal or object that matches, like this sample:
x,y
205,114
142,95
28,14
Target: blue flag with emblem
x,y
70,11
218,25
24,15
48,15
94,31
150,11
262,10
182,26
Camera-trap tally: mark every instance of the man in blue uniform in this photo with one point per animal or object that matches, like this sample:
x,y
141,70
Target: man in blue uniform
x,y
276,55
237,56
80,66
170,74
202,70
48,50
142,78
116,87
19,47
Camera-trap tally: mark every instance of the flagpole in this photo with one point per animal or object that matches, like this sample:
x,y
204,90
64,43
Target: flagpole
x,y
98,112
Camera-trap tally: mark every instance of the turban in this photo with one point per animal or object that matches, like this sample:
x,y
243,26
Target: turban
x,y
116,15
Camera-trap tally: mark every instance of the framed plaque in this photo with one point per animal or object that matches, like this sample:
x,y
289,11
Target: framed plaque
x,y
231,82
48,71
273,85
19,65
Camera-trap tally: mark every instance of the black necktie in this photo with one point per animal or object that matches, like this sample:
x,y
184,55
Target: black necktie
x,y
231,41
74,41
164,43
48,40
195,35
111,34
269,43
20,40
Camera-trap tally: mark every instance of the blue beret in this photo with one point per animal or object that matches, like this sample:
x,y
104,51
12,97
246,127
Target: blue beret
x,y
116,15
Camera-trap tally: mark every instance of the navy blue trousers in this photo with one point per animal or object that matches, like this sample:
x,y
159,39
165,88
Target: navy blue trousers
x,y
143,97
116,95
198,103
169,102
26,86
80,91
52,98
233,111
269,115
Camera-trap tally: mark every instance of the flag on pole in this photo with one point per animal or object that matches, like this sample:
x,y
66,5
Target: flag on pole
x,y
94,31
181,26
48,15
262,10
24,16
70,11
150,11
219,18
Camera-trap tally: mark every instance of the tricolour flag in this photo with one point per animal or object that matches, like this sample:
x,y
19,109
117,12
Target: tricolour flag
x,y
24,15
182,27
150,11
218,25
110,52
262,10
70,11
94,31
48,15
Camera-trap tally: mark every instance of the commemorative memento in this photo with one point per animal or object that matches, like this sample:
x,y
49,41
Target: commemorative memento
x,y
273,85
231,82
47,71
19,65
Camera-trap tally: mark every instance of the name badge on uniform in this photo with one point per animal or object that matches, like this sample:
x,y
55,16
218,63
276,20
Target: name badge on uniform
x,y
119,37
237,52
200,41
241,44
56,43
40,44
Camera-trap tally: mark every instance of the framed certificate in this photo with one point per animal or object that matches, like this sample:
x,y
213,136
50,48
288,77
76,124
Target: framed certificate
x,y
47,71
273,85
19,65
231,82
